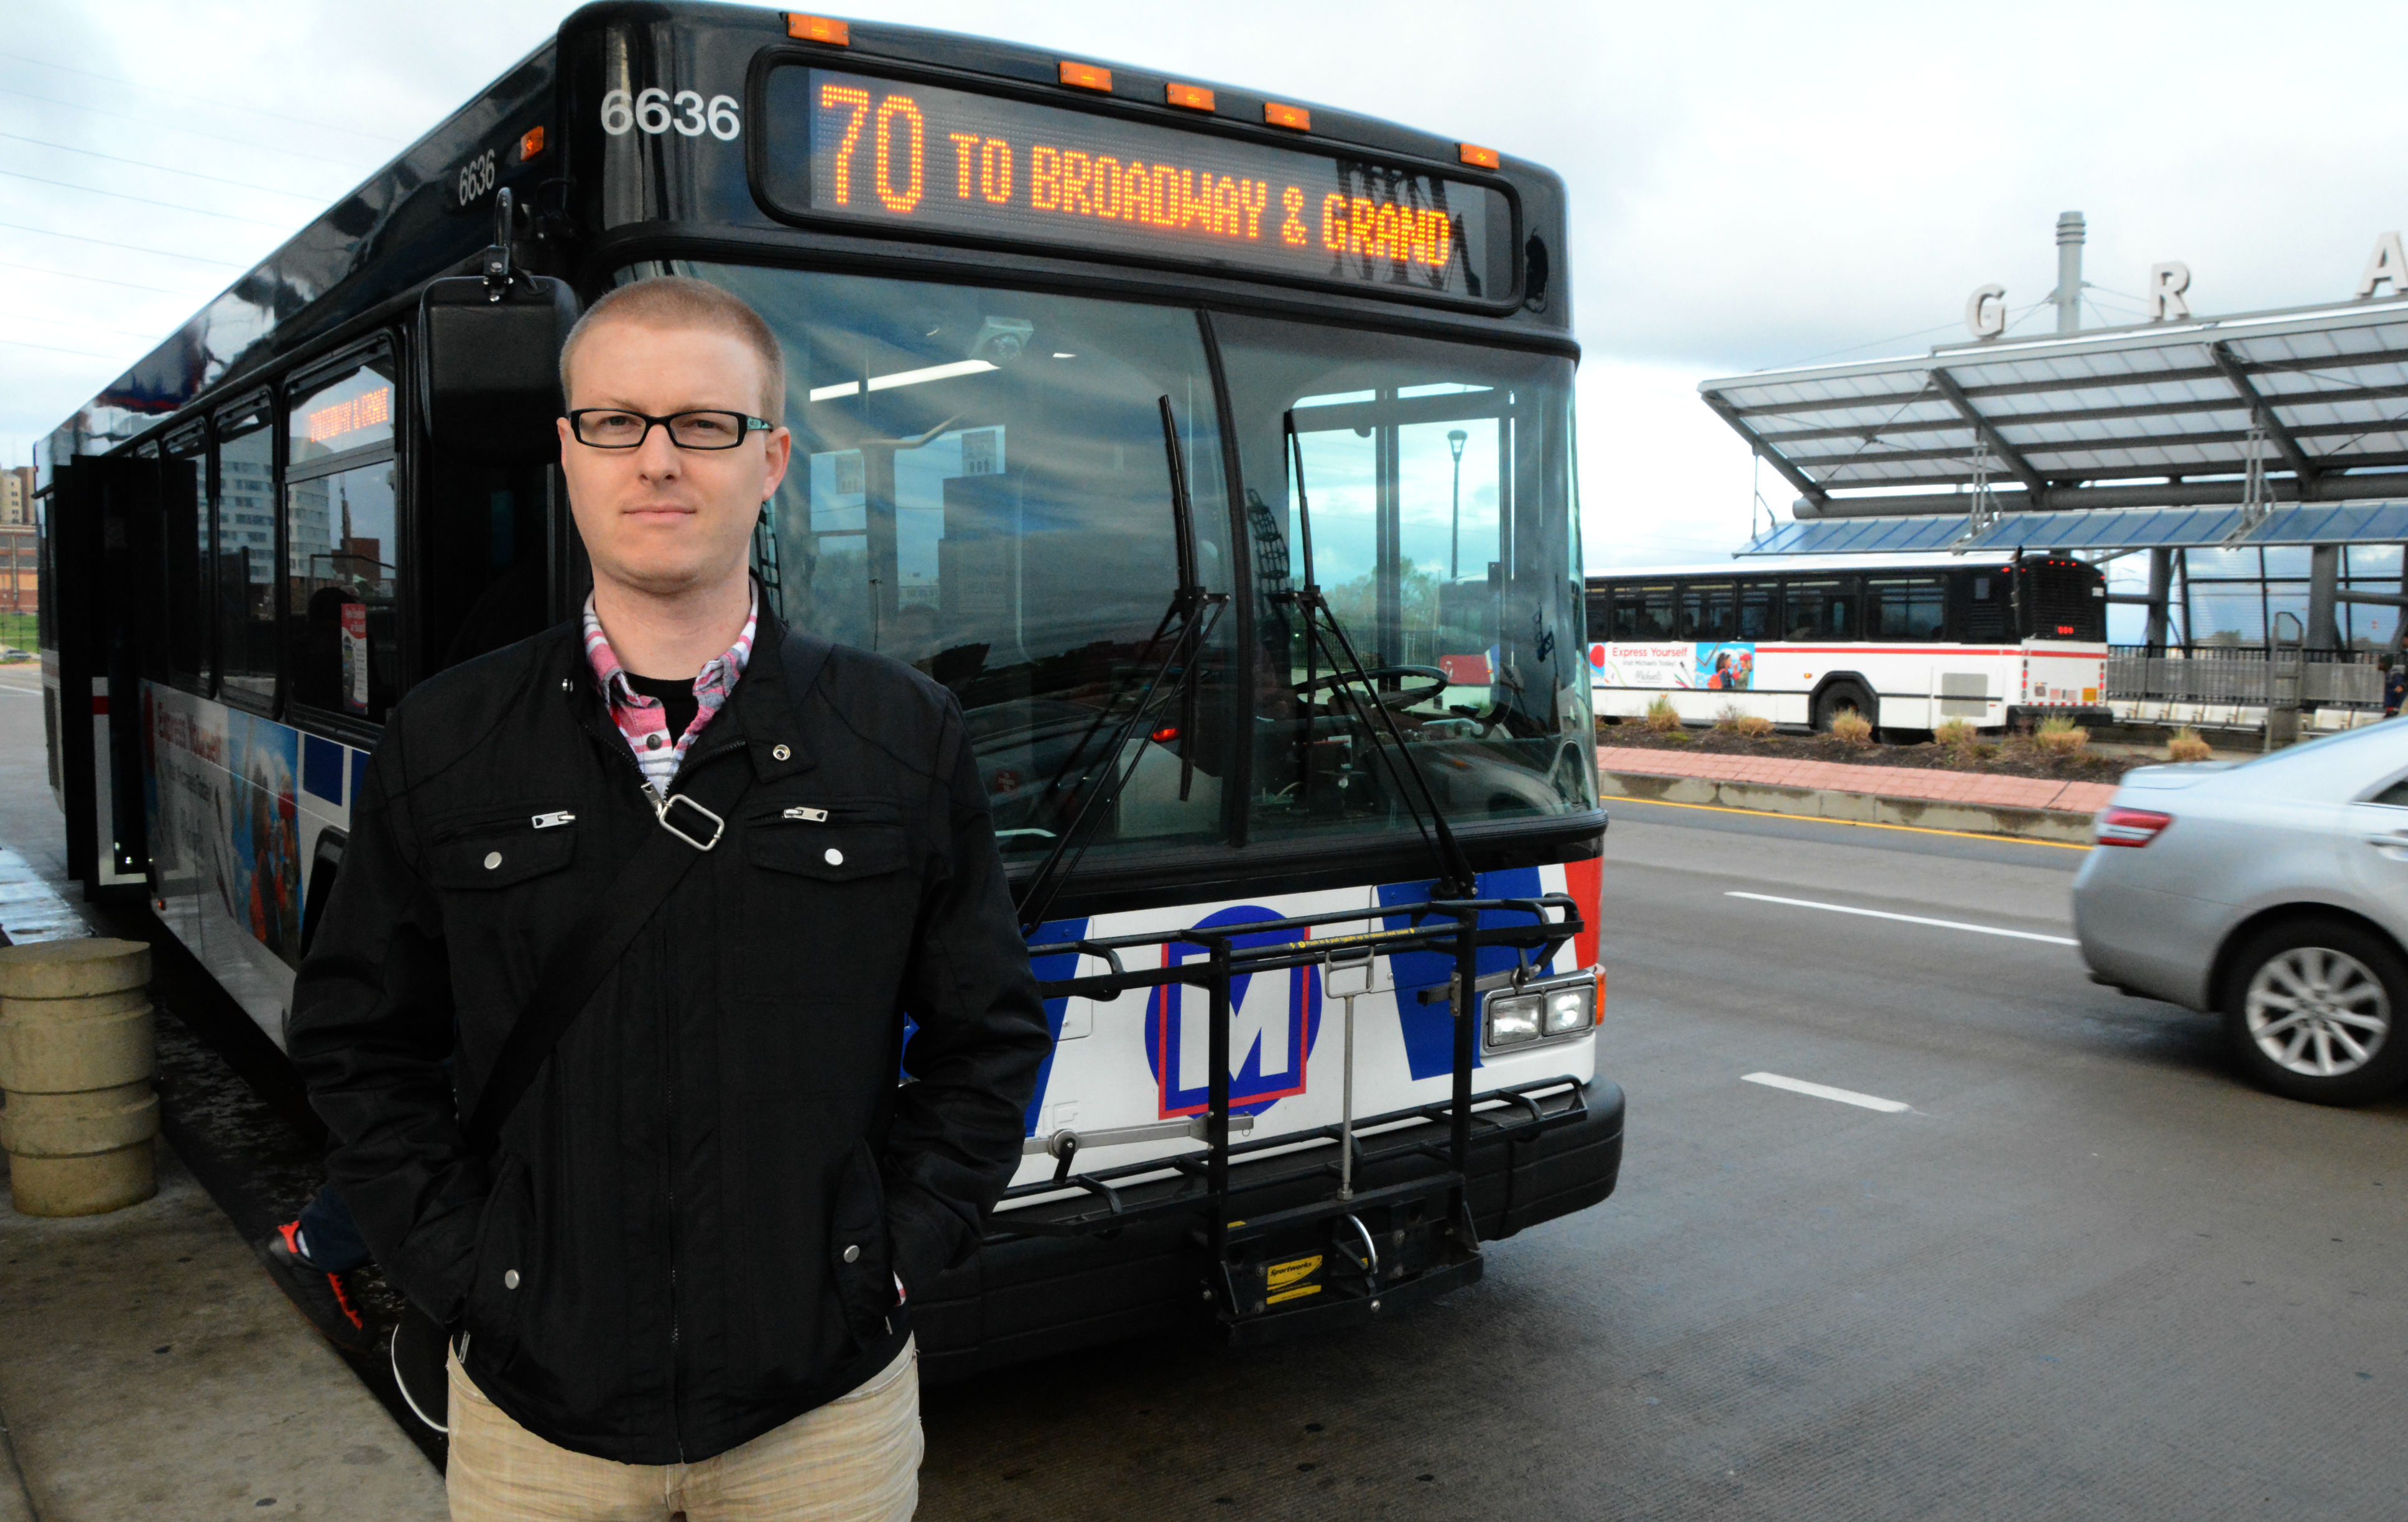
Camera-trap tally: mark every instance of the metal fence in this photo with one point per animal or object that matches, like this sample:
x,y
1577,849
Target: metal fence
x,y
2327,678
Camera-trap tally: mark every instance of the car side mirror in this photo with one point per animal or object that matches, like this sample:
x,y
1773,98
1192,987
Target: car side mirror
x,y
489,359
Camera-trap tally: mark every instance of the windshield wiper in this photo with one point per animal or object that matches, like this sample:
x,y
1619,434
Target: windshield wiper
x,y
1456,878
1187,624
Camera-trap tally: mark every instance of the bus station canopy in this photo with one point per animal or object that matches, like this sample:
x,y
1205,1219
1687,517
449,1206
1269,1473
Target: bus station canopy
x,y
2171,414
2090,529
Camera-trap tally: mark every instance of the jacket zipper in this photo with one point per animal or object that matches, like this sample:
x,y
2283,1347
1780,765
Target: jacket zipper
x,y
617,744
677,1414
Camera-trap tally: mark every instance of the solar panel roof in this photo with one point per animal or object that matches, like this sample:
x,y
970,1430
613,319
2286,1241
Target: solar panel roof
x,y
2168,409
2098,528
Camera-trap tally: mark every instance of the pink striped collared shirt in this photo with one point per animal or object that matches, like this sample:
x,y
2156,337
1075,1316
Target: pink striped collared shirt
x,y
642,720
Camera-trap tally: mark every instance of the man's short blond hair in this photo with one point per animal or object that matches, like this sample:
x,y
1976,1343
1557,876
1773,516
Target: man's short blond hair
x,y
678,300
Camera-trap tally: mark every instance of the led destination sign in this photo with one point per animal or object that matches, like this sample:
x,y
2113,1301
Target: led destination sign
x,y
917,156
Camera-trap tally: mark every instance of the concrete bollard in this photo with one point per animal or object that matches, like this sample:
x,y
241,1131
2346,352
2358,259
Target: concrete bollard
x,y
78,1051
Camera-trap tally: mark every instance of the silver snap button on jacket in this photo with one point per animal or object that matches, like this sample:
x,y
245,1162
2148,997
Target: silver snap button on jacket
x,y
835,857
779,753
510,1279
493,859
852,1253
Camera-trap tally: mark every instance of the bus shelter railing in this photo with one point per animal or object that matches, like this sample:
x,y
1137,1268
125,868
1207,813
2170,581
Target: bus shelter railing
x,y
2342,678
1249,1198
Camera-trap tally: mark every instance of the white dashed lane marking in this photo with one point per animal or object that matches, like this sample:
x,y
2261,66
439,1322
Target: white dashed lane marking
x,y
1908,919
1845,1096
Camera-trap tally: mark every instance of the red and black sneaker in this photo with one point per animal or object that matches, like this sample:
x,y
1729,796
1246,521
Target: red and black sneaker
x,y
324,1298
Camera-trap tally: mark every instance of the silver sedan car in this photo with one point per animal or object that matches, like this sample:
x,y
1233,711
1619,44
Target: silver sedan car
x,y
2275,893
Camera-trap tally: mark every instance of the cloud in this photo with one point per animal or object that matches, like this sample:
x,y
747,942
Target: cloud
x,y
1752,185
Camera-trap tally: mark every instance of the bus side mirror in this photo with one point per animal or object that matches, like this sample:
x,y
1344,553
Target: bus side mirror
x,y
489,369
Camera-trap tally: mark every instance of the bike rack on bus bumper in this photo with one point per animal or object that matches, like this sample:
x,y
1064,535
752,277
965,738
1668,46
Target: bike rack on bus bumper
x,y
1319,1262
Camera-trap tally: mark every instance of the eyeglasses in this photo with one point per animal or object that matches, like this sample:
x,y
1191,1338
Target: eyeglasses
x,y
612,428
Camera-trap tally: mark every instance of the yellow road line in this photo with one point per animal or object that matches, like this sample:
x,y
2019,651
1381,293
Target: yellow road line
x,y
1852,824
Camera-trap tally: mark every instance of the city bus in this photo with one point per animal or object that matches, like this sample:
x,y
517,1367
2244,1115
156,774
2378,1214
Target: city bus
x,y
1214,449
1908,643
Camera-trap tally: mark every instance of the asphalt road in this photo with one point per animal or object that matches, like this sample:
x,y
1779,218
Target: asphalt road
x,y
2086,1273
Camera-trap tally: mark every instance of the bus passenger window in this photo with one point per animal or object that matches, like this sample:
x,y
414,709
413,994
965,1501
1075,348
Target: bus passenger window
x,y
187,571
1755,622
1709,613
246,556
1820,610
1642,614
1906,608
342,578
342,545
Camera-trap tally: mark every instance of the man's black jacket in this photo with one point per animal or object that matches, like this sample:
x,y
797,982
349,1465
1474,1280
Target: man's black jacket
x,y
657,1264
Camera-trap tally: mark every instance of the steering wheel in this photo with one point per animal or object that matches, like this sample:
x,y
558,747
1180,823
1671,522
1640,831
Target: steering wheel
x,y
1433,681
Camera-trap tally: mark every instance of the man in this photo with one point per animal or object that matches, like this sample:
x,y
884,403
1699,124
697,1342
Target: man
x,y
2395,686
676,1283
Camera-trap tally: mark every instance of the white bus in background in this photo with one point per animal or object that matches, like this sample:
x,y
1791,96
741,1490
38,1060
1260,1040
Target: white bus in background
x,y
1908,645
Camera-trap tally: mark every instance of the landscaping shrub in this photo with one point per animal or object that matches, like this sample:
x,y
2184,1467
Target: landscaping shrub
x,y
1728,719
2061,736
1852,727
1956,734
2187,746
1663,717
1754,726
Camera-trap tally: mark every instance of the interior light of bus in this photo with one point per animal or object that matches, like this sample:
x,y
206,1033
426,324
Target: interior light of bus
x,y
1086,76
2133,826
1194,97
1164,735
825,29
1295,117
902,377
1477,157
531,144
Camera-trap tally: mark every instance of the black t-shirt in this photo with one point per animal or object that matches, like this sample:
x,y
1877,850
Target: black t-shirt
x,y
675,696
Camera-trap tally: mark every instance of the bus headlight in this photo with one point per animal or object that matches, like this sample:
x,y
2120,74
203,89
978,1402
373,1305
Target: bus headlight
x,y
1514,1018
1541,1011
1568,1009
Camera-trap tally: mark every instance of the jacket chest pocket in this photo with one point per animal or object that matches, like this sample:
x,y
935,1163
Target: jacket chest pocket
x,y
504,883
829,898
490,852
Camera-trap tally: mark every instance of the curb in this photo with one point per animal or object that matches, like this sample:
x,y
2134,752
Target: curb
x,y
2062,826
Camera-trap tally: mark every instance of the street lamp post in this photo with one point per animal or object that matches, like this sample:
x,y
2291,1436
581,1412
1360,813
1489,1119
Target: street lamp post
x,y
1455,441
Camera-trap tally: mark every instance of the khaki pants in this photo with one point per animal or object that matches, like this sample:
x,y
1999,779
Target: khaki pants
x,y
854,1459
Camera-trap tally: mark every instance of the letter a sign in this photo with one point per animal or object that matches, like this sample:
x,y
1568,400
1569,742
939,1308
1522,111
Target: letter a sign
x,y
2388,263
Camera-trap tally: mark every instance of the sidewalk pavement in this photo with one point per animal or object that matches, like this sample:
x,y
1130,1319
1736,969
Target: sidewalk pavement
x,y
2033,808
148,1367
1978,788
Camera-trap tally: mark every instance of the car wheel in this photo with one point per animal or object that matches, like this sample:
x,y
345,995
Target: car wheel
x,y
2313,1011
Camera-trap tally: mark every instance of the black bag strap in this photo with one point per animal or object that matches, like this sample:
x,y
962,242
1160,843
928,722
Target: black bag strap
x,y
691,823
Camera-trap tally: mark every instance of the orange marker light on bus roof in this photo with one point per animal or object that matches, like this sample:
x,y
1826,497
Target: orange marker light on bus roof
x,y
1192,96
826,29
531,144
1294,117
1473,153
1086,76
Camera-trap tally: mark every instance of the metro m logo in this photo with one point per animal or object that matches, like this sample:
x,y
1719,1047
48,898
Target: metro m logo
x,y
1273,1022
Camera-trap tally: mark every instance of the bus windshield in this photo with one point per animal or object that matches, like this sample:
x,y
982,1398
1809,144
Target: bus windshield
x,y
980,488
1437,480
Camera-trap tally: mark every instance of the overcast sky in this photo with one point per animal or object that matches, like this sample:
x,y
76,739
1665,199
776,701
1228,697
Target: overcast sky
x,y
1752,185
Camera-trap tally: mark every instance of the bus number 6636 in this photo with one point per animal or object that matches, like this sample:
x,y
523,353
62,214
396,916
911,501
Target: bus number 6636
x,y
655,111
